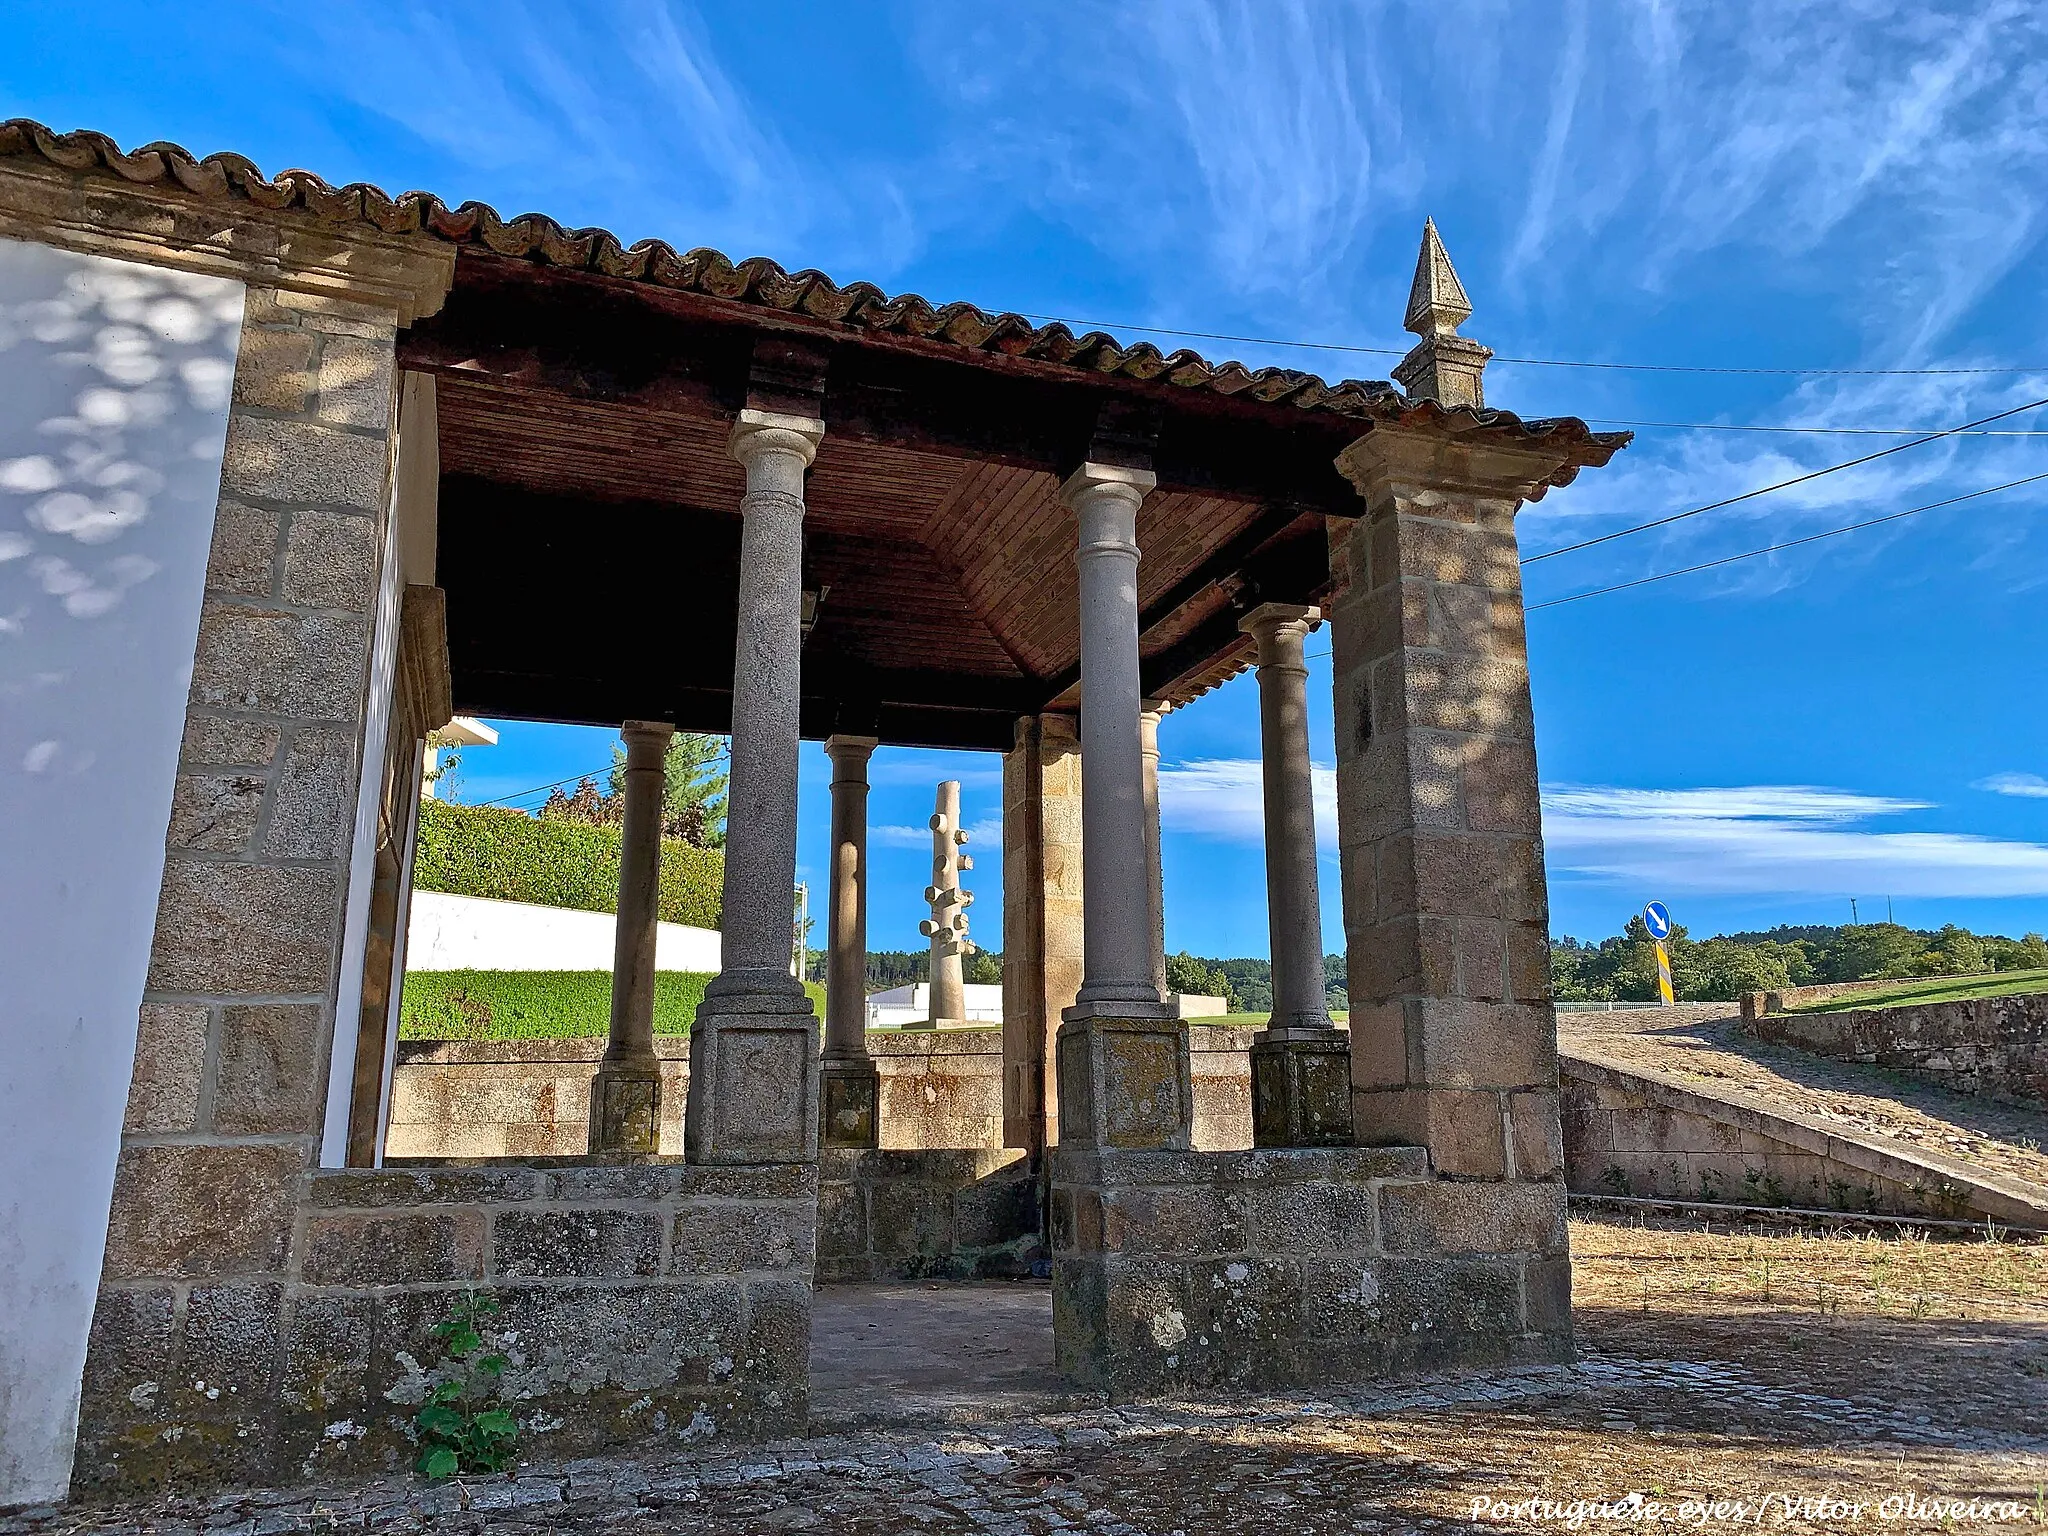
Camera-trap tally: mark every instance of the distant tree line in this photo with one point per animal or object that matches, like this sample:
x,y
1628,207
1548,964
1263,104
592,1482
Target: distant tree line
x,y
906,967
1246,986
1720,969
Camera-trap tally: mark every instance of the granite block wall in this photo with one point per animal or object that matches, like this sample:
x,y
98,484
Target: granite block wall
x,y
929,1215
638,1301
1290,1268
941,1089
1994,1047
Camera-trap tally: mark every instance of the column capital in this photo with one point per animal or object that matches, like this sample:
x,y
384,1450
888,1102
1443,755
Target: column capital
x,y
860,748
1274,624
758,432
1132,485
1406,463
661,729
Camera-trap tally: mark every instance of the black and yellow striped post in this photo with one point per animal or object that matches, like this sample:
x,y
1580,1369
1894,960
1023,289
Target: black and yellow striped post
x,y
1657,923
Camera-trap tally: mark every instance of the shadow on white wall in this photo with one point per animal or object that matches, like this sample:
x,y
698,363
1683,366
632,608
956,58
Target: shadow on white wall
x,y
114,384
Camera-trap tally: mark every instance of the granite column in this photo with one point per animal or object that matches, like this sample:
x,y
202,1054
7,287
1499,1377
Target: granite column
x,y
754,1049
1123,1059
1301,1063
848,1082
625,1096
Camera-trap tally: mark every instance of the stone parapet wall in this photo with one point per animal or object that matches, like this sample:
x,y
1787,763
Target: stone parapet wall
x,y
965,1215
1753,1004
1994,1047
1284,1268
1633,1133
941,1089
637,1300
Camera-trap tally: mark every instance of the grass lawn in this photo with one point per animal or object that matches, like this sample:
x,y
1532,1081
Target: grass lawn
x,y
1939,989
540,1005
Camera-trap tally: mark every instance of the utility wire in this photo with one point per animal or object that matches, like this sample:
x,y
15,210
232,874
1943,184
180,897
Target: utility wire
x,y
1535,362
1722,426
1765,490
1771,549
521,794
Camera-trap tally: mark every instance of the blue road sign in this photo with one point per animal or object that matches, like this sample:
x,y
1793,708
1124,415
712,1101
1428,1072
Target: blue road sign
x,y
1658,920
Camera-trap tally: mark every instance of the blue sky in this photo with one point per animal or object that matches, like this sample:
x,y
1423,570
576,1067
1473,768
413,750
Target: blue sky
x,y
1851,186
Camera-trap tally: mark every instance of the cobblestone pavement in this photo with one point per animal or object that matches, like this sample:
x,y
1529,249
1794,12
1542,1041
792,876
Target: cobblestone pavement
x,y
1714,1054
1741,1366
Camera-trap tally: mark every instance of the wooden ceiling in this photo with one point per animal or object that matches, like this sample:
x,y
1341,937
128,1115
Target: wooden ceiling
x,y
589,524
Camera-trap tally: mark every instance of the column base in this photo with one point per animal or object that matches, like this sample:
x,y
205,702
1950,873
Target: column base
x,y
1301,1087
1124,1082
849,1103
753,1082
625,1107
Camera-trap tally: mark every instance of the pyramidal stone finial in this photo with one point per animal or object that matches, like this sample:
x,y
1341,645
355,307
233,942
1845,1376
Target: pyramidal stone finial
x,y
1443,366
1437,305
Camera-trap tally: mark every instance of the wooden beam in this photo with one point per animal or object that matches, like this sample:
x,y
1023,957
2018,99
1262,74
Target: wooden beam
x,y
597,339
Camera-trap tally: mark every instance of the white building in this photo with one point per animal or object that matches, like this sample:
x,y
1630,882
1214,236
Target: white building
x,y
913,1005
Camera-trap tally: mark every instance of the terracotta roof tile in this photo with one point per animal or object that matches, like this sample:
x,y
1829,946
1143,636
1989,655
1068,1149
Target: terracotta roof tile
x,y
759,281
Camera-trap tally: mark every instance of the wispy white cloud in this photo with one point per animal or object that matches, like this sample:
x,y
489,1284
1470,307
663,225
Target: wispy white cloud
x,y
1771,839
1778,840
630,107
899,837
2028,786
1224,799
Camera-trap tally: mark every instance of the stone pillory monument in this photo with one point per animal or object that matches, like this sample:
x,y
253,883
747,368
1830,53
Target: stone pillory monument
x,y
458,463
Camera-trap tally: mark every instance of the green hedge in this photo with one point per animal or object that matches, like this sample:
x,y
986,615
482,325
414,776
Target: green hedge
x,y
481,850
540,1005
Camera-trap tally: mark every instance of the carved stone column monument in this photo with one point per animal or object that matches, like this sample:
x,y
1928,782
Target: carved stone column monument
x,y
947,926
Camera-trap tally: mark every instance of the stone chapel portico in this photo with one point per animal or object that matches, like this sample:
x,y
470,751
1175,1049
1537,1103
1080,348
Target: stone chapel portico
x,y
664,491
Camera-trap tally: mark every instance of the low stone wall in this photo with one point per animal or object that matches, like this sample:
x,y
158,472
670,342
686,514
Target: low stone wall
x,y
934,1215
1634,1133
1282,1268
637,1300
940,1089
1754,1003
1994,1047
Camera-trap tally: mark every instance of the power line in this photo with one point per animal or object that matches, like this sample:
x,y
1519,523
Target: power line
x,y
1534,362
1765,490
1771,549
1722,426
521,794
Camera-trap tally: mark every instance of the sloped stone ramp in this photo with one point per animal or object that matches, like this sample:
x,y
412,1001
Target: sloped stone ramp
x,y
1679,1104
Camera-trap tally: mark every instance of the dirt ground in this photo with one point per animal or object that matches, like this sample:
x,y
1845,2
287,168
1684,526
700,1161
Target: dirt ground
x,y
1770,1371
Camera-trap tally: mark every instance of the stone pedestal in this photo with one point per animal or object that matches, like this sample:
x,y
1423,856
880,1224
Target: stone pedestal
x,y
754,1085
1301,1088
1124,1083
849,1102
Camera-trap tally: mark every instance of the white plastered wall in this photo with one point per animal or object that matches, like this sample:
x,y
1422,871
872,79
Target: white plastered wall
x,y
114,383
